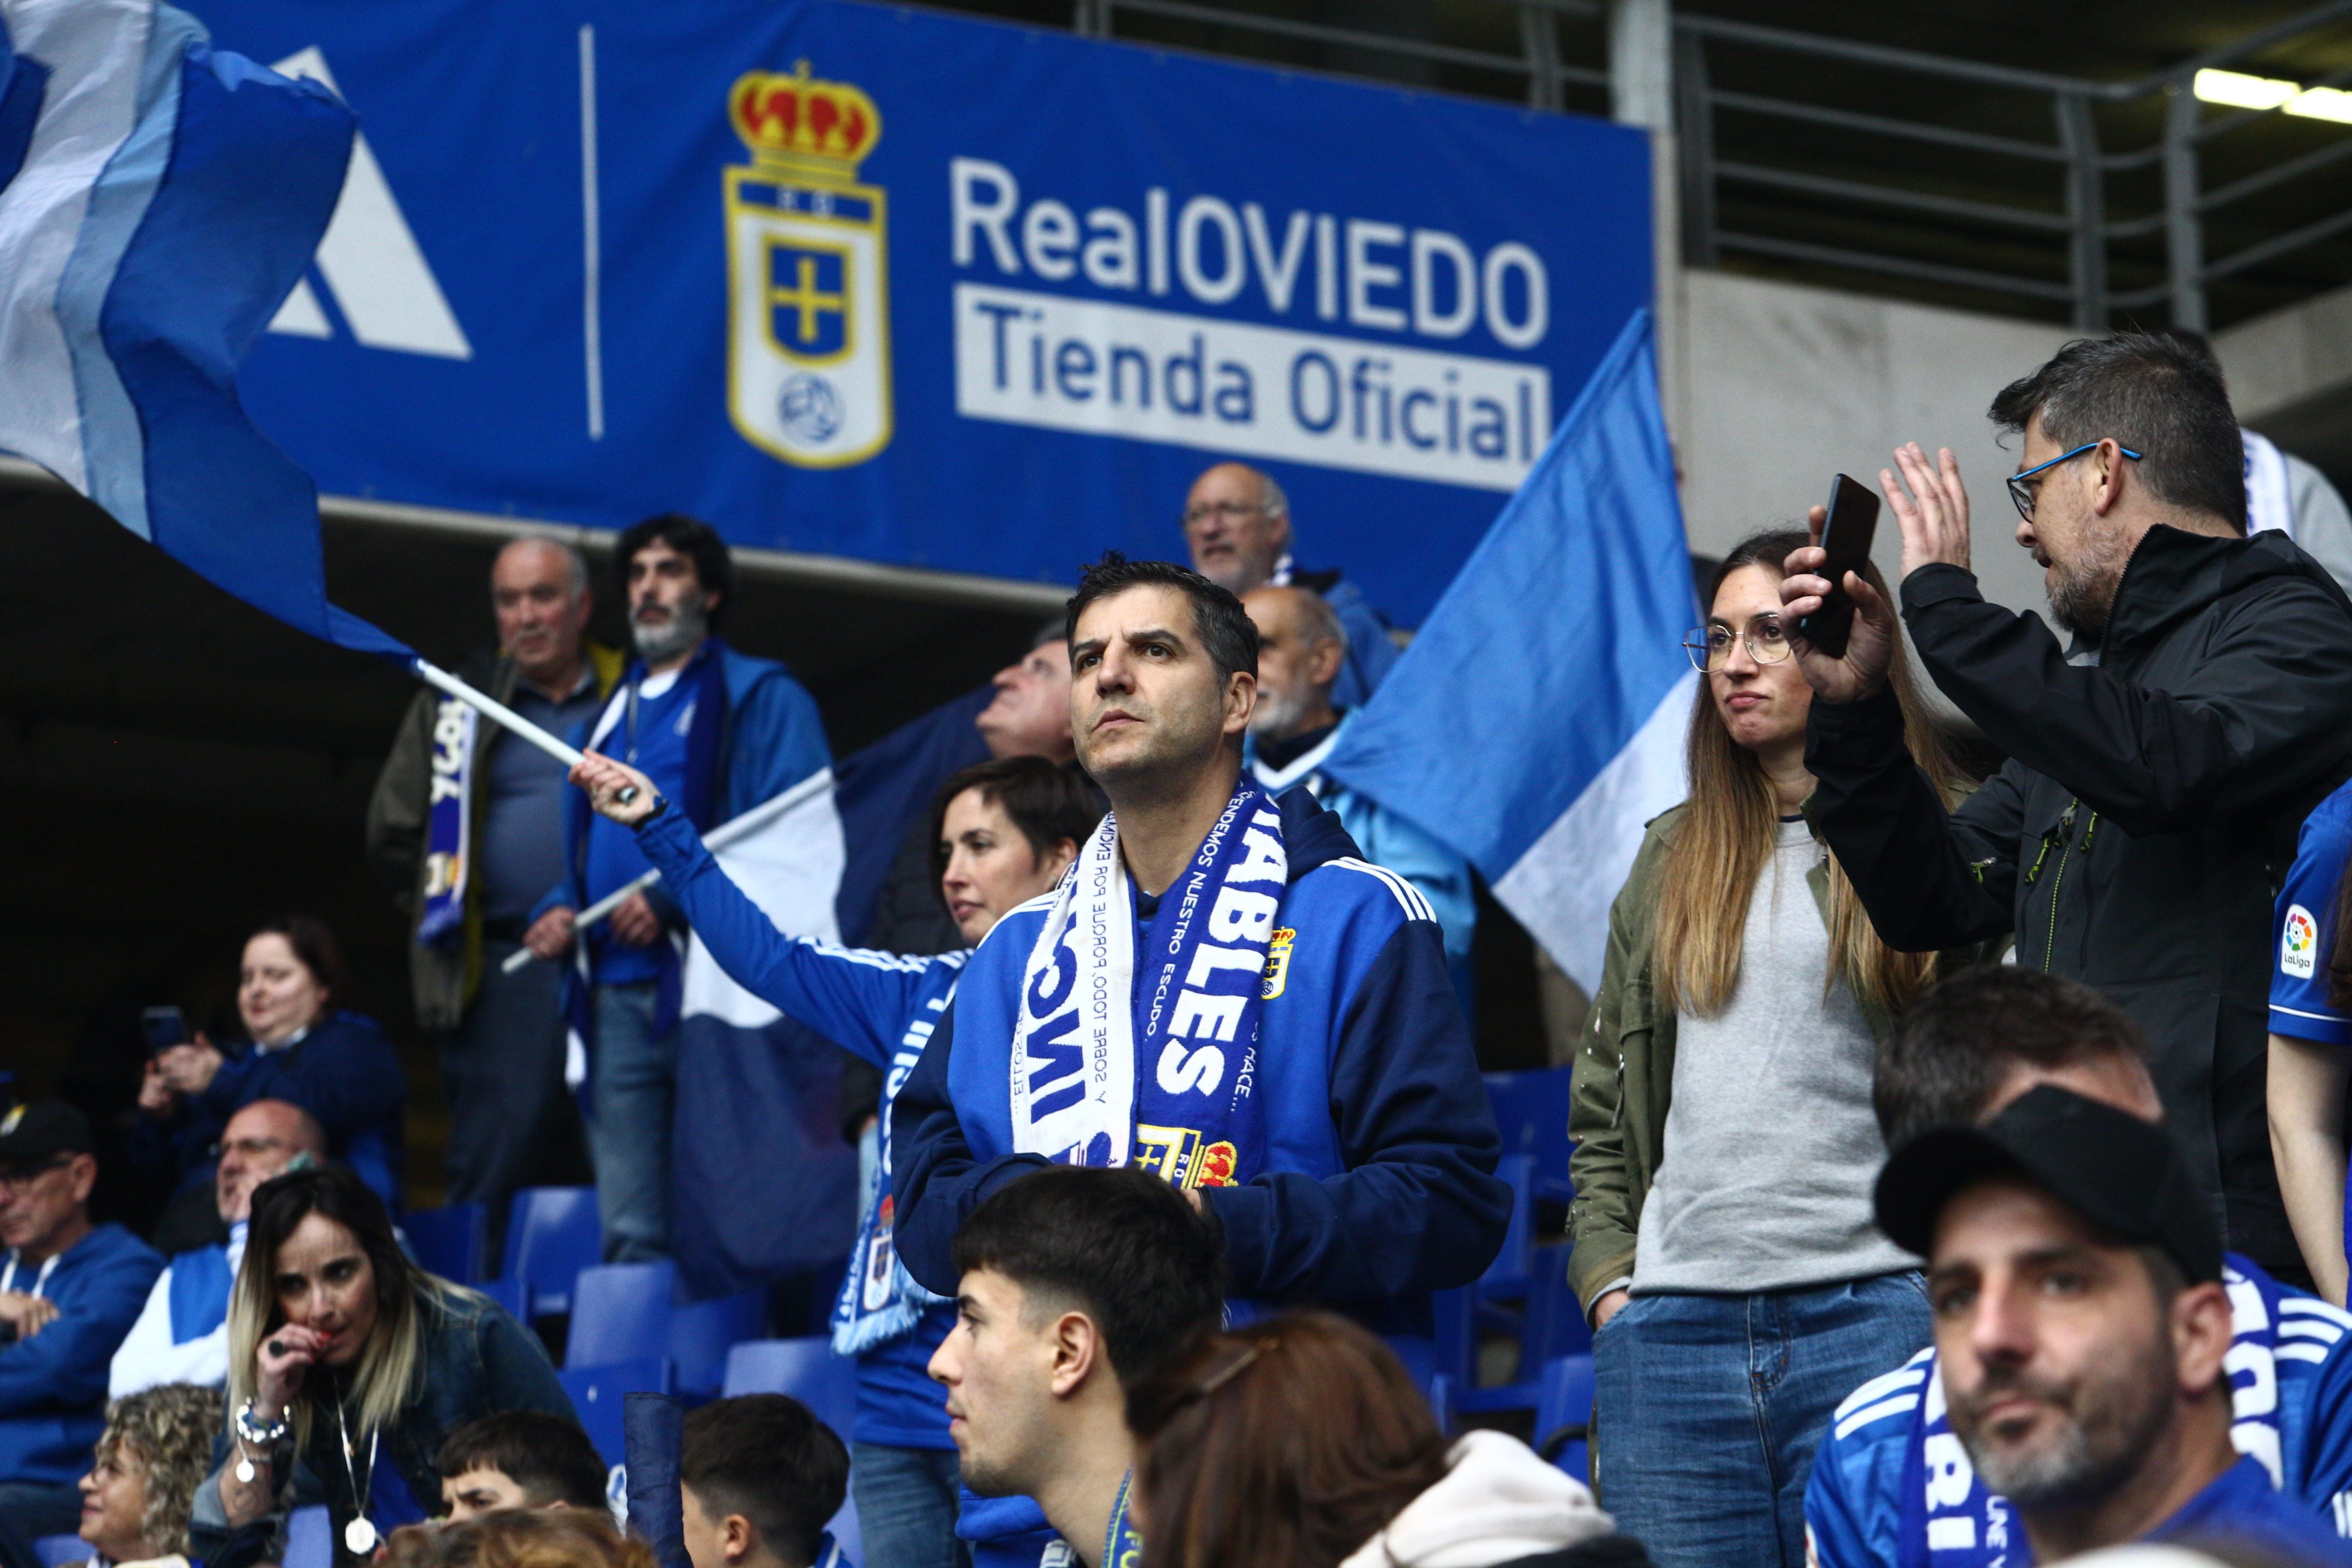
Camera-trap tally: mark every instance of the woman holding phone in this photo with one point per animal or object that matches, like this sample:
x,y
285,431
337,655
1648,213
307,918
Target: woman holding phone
x,y
348,1366
1726,1145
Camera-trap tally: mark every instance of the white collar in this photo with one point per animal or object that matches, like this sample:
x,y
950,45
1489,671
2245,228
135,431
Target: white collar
x,y
1276,780
1282,569
288,1043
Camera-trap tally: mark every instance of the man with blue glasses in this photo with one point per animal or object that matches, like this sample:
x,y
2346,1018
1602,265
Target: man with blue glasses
x,y
2158,767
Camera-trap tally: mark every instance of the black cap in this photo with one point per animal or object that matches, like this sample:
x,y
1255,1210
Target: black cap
x,y
2121,1173
39,1130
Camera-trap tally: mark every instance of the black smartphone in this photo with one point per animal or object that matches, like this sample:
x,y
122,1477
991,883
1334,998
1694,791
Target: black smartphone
x,y
163,1028
1853,522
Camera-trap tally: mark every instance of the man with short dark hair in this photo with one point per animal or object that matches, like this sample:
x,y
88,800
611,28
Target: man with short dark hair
x,y
718,733
1238,523
1221,993
759,1478
1966,1050
2157,775
518,1458
2084,1333
181,1334
68,1291
465,831
1074,1287
1302,649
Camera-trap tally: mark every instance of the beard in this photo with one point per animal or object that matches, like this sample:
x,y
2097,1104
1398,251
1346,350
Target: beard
x,y
1280,714
2112,1418
2084,594
666,639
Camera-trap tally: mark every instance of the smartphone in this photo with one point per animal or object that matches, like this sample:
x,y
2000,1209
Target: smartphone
x,y
163,1028
1853,522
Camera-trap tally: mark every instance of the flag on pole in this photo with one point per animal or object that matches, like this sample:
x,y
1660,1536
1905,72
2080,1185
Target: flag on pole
x,y
158,199
1537,720
758,1094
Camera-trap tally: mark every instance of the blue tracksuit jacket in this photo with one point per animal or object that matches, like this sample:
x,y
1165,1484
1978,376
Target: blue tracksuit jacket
x,y
2293,1402
880,1007
1381,1145
53,1385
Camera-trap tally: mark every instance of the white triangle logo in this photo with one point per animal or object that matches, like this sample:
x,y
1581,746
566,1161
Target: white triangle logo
x,y
370,260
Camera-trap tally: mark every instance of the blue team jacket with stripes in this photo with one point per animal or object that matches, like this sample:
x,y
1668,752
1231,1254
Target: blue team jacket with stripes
x,y
1380,1185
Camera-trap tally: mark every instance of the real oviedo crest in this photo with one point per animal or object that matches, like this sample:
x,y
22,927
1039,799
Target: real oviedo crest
x,y
808,314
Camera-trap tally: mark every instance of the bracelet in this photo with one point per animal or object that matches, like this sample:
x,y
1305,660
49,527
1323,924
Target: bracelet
x,y
260,1436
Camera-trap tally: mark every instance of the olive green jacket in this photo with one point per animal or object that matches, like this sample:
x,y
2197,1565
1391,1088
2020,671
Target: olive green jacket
x,y
1624,1072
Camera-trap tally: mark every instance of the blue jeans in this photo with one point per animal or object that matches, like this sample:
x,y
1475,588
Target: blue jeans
x,y
907,1500
633,1093
1706,1410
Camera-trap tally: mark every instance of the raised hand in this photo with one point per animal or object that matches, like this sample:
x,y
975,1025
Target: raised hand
x,y
1931,506
603,779
1869,647
281,1360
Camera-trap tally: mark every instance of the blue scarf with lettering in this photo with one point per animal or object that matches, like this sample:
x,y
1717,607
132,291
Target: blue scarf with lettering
x,y
449,821
1145,1053
1950,1520
879,1300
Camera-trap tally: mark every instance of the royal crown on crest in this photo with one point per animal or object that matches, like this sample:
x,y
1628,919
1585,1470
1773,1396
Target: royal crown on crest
x,y
794,119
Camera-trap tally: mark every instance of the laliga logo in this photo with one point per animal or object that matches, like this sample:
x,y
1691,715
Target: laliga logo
x,y
808,320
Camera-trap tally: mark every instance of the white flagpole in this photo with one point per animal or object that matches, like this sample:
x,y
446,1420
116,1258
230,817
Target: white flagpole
x,y
716,839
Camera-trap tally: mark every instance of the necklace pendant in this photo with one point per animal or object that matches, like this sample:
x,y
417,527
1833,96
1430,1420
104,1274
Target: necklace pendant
x,y
360,1536
245,1470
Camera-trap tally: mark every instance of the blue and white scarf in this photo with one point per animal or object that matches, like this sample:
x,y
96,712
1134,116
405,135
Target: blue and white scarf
x,y
1150,1060
879,1300
449,821
1950,1520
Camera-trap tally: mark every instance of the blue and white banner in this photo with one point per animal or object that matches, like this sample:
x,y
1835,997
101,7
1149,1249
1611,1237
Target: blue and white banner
x,y
758,1094
1537,719
929,289
158,198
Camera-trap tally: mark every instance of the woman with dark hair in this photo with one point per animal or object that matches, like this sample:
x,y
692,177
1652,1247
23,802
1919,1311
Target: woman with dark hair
x,y
1301,1441
299,1047
1725,1139
1005,831
348,1367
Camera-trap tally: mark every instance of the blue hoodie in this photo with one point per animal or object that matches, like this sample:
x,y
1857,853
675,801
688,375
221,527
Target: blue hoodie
x,y
1380,1185
53,1385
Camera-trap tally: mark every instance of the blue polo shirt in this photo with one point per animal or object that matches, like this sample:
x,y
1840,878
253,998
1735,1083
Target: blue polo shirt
x,y
2306,927
655,744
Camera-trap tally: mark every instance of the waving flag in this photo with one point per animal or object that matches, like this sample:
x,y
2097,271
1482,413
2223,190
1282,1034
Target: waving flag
x,y
1537,720
158,200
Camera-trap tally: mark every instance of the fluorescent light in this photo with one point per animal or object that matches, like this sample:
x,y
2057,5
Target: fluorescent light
x,y
2323,103
2240,90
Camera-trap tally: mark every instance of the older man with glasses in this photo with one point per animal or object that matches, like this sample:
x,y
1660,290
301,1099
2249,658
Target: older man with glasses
x,y
68,1291
2158,767
1238,523
181,1335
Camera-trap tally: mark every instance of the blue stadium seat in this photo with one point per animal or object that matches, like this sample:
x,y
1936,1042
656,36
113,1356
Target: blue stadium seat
x,y
510,1294
1531,1109
827,1384
551,1236
450,1241
1564,1412
701,1333
309,1538
1555,1323
596,1393
1505,1278
56,1550
622,1312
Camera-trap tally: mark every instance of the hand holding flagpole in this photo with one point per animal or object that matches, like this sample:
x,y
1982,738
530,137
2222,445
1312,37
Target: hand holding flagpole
x,y
434,674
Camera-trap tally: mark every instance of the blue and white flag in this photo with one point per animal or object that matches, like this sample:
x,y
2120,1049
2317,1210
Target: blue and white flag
x,y
758,1094
1536,721
158,200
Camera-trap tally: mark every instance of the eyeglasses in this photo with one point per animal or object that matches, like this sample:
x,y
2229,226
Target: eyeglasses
x,y
1710,646
2021,492
1231,510
250,1148
21,1180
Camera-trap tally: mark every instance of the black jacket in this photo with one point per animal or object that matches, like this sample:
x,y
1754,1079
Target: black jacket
x,y
2137,835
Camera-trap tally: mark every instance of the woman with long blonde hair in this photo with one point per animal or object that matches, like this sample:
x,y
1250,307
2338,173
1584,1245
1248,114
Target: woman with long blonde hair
x,y
348,1366
1726,1139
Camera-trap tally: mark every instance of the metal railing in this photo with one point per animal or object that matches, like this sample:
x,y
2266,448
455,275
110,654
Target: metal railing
x,y
2046,240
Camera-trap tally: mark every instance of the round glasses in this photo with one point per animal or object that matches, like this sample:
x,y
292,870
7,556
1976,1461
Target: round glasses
x,y
1709,646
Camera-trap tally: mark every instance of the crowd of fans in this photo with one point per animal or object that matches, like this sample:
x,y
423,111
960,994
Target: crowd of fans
x,y
1959,1162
